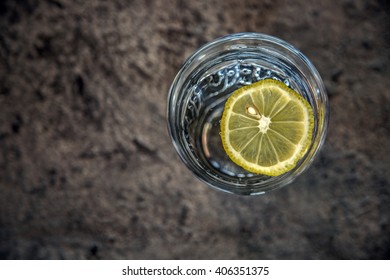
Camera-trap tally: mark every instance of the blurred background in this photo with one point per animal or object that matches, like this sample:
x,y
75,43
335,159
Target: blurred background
x,y
88,171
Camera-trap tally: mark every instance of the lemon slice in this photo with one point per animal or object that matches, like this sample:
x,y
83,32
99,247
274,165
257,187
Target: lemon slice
x,y
266,127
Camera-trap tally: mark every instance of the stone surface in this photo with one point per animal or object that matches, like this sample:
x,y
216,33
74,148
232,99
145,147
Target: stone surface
x,y
87,169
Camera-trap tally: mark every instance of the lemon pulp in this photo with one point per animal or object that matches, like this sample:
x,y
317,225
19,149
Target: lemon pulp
x,y
266,127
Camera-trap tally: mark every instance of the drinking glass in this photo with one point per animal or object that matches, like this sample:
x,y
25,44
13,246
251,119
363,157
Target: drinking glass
x,y
206,80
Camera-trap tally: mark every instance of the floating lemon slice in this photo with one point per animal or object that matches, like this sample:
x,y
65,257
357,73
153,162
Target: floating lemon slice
x,y
266,127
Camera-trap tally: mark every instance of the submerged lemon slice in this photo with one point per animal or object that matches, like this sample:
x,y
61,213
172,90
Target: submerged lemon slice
x,y
266,127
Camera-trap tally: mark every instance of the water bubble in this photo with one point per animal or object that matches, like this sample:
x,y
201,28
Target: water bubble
x,y
246,71
215,164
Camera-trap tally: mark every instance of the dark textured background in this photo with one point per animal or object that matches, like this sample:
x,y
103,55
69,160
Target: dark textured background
x,y
87,169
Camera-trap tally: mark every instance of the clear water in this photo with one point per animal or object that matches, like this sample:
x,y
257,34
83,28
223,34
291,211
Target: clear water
x,y
205,104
